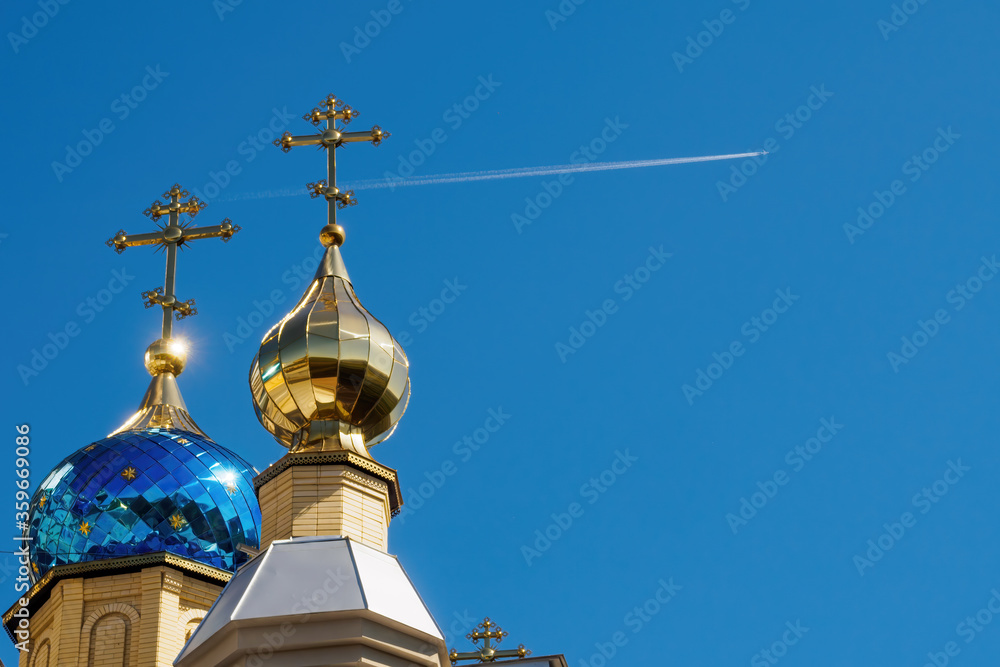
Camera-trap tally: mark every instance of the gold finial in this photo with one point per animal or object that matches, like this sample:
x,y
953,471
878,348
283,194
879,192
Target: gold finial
x,y
162,406
330,139
332,235
166,355
488,652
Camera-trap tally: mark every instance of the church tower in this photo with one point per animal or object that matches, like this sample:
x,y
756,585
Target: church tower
x,y
131,539
156,546
328,382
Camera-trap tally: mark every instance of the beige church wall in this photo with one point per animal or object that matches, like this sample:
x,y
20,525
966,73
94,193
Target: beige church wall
x,y
135,619
325,499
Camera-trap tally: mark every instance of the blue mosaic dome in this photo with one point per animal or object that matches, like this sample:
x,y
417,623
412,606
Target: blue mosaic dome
x,y
144,491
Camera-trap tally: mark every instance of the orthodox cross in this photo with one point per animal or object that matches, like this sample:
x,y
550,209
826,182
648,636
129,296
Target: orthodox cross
x,y
331,110
171,236
487,652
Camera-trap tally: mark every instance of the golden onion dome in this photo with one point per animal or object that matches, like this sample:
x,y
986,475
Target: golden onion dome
x,y
329,376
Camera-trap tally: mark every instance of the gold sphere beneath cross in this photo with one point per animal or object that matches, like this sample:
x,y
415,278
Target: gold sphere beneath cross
x,y
166,355
332,235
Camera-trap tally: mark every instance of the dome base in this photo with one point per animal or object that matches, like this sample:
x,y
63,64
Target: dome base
x,y
330,436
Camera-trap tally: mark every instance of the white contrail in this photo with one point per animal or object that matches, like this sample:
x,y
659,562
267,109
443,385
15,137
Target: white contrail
x,y
496,174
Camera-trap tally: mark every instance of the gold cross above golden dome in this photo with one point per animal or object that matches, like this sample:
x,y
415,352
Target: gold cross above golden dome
x,y
329,376
487,652
330,139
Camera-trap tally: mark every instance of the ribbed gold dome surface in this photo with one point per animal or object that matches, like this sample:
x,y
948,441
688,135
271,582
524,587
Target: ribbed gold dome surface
x,y
329,376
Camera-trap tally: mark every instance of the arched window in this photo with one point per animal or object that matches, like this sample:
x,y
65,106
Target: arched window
x,y
191,626
191,618
40,654
110,641
107,635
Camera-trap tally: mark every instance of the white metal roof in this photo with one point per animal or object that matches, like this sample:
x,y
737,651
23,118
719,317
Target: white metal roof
x,y
315,575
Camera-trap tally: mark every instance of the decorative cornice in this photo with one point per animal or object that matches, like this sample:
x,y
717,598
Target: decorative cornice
x,y
345,458
173,582
38,594
367,480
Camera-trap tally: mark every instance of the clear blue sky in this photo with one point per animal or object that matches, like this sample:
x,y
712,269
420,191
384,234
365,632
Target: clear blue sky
x,y
911,109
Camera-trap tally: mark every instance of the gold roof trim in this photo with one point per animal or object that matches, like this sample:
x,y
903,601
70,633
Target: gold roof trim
x,y
341,457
